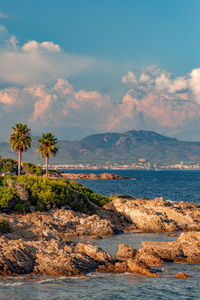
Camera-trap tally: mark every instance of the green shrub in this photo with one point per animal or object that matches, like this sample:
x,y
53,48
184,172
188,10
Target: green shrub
x,y
98,199
21,207
8,165
38,171
7,195
1,180
5,227
30,168
46,193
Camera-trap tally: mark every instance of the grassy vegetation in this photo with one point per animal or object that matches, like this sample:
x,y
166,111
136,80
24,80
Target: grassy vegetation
x,y
48,193
45,193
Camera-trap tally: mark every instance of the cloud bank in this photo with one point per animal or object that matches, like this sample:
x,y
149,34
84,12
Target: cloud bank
x,y
39,93
153,101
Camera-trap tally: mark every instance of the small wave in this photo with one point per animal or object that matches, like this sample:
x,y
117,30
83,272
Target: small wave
x,y
171,201
11,283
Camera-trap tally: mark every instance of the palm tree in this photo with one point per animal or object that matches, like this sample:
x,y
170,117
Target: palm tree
x,y
47,147
20,141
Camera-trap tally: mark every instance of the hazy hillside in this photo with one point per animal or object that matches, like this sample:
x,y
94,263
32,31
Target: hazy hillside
x,y
127,146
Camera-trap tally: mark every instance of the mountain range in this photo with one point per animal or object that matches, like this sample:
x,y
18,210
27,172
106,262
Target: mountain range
x,y
115,147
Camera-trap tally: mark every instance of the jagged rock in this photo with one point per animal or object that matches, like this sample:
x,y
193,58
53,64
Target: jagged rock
x,y
57,222
14,258
125,252
185,249
149,259
158,215
140,267
121,267
94,252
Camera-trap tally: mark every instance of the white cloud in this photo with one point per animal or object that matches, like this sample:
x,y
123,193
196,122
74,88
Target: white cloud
x,y
36,62
35,46
129,78
62,108
194,83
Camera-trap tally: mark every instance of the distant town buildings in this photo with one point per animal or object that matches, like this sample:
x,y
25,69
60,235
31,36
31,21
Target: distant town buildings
x,y
141,164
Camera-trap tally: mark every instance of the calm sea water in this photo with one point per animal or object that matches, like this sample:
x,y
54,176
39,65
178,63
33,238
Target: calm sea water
x,y
173,185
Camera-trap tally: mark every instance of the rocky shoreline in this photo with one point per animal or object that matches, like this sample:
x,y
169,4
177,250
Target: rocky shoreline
x,y
40,242
91,176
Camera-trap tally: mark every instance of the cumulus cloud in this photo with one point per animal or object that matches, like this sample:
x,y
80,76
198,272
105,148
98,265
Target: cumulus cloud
x,y
35,46
62,108
36,62
153,99
156,80
194,83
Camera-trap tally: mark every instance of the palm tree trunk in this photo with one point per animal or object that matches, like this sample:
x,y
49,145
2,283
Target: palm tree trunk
x,y
47,163
19,162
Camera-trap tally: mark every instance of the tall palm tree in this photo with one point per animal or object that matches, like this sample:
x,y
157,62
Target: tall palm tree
x,y
20,141
47,147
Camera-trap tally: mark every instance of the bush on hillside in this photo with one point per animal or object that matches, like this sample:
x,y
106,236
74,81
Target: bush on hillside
x,y
30,168
8,165
98,199
46,193
8,196
5,227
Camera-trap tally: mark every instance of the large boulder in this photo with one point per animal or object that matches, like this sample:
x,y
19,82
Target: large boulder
x,y
96,253
185,249
126,252
158,215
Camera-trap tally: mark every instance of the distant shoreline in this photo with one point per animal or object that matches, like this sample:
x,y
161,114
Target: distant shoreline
x,y
61,168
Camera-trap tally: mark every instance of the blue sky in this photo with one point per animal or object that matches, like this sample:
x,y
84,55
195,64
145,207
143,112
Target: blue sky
x,y
93,45
137,31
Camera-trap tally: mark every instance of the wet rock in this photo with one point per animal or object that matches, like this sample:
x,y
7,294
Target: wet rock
x,y
14,258
96,253
185,249
182,275
149,259
125,252
140,267
121,267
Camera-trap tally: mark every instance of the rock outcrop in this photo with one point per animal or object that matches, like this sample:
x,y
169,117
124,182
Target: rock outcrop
x,y
56,222
103,176
185,249
158,215
60,259
48,250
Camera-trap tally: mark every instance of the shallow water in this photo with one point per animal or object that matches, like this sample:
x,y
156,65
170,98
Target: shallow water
x,y
173,185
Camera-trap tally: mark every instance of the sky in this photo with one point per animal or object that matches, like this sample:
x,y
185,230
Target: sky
x,y
87,66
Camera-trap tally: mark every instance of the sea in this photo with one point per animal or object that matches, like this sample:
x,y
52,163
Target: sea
x,y
173,185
